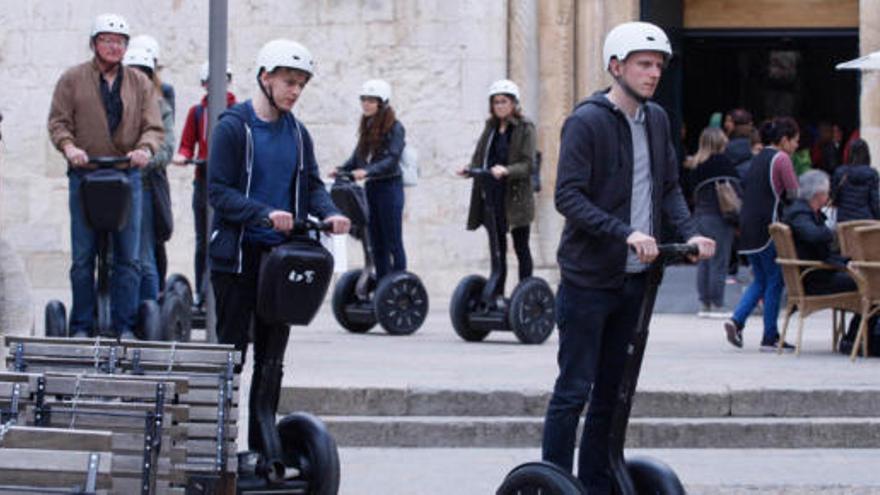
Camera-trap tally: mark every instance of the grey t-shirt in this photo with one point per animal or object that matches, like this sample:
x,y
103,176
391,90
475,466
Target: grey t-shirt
x,y
640,203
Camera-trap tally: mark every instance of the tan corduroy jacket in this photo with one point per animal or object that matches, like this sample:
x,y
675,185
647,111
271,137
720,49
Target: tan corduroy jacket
x,y
77,114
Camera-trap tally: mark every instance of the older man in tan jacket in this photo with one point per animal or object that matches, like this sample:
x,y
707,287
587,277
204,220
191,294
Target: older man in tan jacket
x,y
102,108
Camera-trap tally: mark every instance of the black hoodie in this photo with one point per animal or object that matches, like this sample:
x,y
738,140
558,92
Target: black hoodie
x,y
594,190
855,192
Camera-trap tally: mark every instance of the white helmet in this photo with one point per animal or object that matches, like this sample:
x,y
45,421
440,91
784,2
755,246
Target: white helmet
x,y
205,72
139,56
504,87
632,37
285,53
146,42
110,23
377,88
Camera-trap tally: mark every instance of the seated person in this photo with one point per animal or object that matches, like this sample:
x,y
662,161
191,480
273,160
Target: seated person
x,y
812,238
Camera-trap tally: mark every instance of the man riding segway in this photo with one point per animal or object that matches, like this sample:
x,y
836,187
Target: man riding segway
x,y
617,185
263,169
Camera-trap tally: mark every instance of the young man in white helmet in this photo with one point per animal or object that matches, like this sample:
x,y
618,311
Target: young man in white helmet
x,y
262,166
194,144
376,158
617,185
102,108
151,45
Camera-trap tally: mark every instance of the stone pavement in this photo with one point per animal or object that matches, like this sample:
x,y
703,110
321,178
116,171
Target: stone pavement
x,y
689,370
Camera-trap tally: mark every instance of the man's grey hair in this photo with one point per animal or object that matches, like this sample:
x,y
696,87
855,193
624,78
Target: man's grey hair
x,y
812,183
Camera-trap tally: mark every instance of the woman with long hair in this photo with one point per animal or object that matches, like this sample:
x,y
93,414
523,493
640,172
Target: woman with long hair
x,y
711,169
507,149
769,183
376,158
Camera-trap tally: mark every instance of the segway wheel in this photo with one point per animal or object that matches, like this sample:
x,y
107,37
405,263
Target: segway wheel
x,y
532,311
56,319
464,301
307,446
650,475
149,325
543,478
176,317
401,303
343,295
178,283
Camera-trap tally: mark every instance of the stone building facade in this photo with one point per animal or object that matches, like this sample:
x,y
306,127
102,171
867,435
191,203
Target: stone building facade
x,y
439,55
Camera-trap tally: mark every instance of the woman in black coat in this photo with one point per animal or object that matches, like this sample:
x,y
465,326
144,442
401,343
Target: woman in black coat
x,y
855,185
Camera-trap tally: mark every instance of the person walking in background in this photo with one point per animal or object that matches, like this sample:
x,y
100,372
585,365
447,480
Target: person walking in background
x,y
713,170
770,182
854,187
507,148
194,144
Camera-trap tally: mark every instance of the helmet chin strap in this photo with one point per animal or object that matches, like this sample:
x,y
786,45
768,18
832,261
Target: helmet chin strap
x,y
267,93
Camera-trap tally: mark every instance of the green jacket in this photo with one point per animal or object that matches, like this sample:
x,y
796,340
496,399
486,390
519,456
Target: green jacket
x,y
519,200
162,156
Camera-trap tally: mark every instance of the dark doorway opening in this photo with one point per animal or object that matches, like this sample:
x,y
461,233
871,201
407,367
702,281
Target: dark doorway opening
x,y
769,73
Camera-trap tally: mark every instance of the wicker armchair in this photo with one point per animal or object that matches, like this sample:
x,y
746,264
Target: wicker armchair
x,y
793,272
865,247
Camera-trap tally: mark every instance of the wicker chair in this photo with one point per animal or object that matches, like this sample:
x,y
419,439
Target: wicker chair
x,y
793,272
865,244
846,236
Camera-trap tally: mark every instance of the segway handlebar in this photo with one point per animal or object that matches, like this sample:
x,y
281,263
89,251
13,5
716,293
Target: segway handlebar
x,y
301,227
108,161
474,173
195,161
676,253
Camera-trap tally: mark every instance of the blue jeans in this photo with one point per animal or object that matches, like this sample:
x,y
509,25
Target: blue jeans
x,y
595,328
149,286
385,199
767,284
124,268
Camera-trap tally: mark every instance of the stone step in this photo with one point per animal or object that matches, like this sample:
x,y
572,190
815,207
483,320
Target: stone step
x,y
670,433
676,404
440,471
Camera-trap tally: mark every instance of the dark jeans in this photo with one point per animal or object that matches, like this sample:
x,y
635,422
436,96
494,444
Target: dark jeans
x,y
711,273
595,327
825,282
199,207
236,298
125,269
385,200
521,248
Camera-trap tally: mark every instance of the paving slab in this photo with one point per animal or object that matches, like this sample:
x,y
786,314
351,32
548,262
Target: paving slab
x,y
703,471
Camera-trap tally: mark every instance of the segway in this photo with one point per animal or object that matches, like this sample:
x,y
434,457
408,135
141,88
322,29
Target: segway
x,y
636,475
478,306
179,315
300,455
399,302
106,203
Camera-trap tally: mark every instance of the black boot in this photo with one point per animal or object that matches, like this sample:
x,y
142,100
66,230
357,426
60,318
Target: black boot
x,y
262,433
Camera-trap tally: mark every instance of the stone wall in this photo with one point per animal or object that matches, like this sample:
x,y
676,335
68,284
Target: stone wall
x,y
439,55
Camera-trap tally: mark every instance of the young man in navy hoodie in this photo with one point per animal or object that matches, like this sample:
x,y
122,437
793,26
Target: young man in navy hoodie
x,y
262,166
617,185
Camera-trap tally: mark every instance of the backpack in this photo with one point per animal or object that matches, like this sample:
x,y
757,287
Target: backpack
x,y
409,166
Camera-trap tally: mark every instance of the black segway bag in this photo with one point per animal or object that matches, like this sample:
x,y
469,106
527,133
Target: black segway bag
x,y
294,278
351,200
106,199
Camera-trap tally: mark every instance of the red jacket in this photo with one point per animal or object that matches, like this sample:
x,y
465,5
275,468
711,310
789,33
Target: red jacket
x,y
195,133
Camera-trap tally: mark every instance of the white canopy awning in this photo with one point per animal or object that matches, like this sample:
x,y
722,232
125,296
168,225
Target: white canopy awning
x,y
868,62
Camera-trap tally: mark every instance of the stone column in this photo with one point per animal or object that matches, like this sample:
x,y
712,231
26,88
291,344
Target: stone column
x,y
869,41
594,19
522,54
556,69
